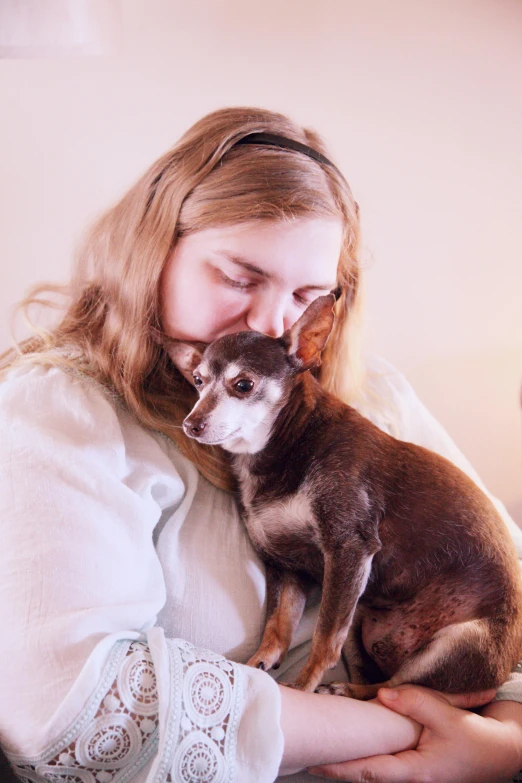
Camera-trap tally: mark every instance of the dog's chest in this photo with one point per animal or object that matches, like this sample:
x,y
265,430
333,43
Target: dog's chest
x,y
278,525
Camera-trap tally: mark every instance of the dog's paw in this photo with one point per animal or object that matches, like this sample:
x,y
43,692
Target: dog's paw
x,y
349,690
290,685
300,685
271,652
265,661
337,689
322,689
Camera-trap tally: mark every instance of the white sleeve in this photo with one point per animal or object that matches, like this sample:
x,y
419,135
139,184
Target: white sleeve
x,y
91,690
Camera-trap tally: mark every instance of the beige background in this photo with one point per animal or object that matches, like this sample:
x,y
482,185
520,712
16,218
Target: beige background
x,y
421,102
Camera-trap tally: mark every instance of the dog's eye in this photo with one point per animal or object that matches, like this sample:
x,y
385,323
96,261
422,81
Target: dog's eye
x,y
197,381
244,385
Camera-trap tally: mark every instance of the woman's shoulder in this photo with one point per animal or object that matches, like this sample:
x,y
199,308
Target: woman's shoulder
x,y
50,395
60,420
395,407
391,397
40,405
388,397
383,376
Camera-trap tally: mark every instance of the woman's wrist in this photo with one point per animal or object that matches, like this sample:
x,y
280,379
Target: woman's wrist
x,y
323,729
509,713
505,711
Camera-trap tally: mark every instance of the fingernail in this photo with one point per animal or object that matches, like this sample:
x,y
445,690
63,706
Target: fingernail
x,y
389,693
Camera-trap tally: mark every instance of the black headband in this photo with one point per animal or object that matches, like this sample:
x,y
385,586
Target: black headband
x,y
271,139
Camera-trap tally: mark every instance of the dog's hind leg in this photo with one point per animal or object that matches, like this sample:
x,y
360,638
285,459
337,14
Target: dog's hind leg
x,y
460,658
352,652
286,598
361,668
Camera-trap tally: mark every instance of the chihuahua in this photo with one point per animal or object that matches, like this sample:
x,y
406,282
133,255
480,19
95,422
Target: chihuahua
x,y
420,580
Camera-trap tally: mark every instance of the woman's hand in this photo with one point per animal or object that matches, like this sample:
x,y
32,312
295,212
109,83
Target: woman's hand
x,y
456,746
319,729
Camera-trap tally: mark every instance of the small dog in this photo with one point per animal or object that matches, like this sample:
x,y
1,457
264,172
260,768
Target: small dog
x,y
420,580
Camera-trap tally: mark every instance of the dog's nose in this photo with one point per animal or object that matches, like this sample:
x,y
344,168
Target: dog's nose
x,y
194,428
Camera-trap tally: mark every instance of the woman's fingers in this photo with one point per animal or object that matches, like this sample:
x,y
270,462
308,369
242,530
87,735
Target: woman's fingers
x,y
451,747
378,769
422,704
467,701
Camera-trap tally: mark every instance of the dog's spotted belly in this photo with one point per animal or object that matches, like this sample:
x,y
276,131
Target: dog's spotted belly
x,y
388,643
391,635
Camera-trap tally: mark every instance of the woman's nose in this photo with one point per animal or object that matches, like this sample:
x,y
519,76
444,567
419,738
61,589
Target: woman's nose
x,y
267,315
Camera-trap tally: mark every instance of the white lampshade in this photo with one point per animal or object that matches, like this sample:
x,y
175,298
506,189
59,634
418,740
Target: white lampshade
x,y
53,28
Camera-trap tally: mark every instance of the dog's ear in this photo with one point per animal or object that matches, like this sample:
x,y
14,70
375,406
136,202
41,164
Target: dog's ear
x,y
305,340
186,356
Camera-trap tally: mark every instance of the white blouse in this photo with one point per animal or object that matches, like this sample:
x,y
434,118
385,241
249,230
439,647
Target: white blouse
x,y
131,596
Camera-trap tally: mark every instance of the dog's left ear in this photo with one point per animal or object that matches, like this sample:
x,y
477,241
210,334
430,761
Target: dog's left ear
x,y
185,356
306,339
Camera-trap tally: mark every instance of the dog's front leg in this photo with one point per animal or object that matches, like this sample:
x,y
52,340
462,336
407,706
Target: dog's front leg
x,y
286,598
345,577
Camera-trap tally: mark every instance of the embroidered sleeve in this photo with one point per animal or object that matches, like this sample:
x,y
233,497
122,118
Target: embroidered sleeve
x,y
94,692
116,733
124,729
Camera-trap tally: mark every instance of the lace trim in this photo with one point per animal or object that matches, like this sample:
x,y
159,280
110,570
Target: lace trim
x,y
118,731
201,735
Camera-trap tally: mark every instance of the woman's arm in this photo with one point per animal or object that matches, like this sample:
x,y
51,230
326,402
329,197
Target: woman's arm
x,y
321,729
91,686
456,746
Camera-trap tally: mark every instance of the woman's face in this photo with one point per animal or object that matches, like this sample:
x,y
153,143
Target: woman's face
x,y
258,276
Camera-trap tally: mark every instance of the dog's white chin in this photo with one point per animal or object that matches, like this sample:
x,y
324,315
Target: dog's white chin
x,y
206,441
241,445
235,443
238,442
237,446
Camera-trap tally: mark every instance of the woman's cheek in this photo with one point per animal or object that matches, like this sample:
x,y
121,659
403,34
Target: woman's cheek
x,y
230,312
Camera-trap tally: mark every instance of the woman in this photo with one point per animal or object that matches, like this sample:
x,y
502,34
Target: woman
x,y
123,555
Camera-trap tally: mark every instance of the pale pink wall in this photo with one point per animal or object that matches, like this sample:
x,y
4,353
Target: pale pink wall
x,y
421,103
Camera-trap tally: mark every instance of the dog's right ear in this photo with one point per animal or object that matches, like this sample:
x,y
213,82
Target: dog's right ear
x,y
185,356
306,339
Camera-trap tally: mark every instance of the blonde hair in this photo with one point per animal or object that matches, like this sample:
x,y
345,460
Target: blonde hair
x,y
107,330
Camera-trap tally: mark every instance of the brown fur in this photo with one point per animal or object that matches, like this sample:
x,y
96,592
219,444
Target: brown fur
x,y
420,578
441,553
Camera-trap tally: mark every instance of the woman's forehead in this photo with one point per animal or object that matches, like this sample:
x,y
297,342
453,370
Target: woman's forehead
x,y
302,248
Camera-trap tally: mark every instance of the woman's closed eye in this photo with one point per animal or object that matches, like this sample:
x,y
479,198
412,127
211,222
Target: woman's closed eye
x,y
304,299
301,298
242,285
